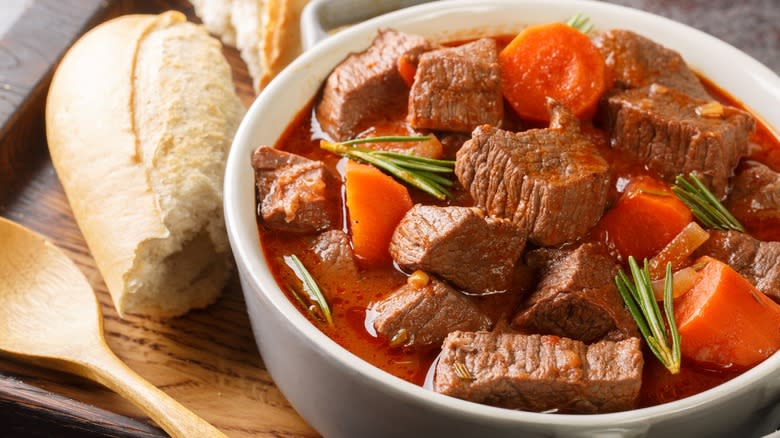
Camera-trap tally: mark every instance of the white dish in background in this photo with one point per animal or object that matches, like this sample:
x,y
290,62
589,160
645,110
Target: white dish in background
x,y
342,396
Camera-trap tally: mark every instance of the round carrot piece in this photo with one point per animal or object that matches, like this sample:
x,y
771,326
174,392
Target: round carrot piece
x,y
552,60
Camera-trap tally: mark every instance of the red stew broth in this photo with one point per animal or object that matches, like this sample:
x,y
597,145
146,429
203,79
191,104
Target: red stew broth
x,y
349,298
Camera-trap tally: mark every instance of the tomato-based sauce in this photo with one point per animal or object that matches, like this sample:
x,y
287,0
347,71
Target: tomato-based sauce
x,y
660,386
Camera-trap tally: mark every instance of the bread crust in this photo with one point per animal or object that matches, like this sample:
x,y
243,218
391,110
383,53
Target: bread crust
x,y
266,32
121,179
282,37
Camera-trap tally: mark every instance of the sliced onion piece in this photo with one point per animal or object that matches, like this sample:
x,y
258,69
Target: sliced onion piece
x,y
679,249
682,281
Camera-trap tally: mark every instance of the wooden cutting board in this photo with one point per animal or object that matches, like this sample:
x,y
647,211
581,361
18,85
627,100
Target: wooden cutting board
x,y
207,360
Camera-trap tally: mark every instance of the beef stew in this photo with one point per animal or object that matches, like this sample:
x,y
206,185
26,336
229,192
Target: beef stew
x,y
507,262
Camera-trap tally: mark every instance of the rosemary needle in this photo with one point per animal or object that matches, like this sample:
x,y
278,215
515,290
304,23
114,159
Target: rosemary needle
x,y
387,139
310,308
310,286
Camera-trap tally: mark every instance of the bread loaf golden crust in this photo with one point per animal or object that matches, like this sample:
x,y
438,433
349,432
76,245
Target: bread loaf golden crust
x,y
282,37
139,120
266,32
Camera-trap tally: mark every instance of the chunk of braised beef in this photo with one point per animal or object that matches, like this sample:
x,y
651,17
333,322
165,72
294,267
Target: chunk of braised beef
x,y
335,256
457,88
366,86
451,143
576,297
291,191
550,182
755,200
473,252
502,307
539,372
661,128
636,62
424,316
412,56
757,261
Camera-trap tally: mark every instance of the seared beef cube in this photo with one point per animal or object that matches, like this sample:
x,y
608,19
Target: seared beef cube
x,y
412,57
457,88
551,182
662,129
420,317
755,200
638,62
538,373
757,261
451,143
335,256
366,85
757,187
576,297
461,245
502,307
291,191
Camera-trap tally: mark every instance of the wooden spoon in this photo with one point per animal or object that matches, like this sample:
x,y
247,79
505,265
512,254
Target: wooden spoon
x,y
49,316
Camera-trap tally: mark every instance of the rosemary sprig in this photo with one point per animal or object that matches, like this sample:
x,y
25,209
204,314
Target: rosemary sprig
x,y
309,286
641,303
704,205
580,22
424,173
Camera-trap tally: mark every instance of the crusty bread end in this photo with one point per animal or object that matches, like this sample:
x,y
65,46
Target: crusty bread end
x,y
139,119
282,38
266,32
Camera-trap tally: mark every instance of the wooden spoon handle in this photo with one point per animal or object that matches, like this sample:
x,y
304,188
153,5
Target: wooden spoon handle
x,y
107,369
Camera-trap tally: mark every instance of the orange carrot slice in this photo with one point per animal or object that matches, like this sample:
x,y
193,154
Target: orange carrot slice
x,y
552,60
644,220
726,322
375,203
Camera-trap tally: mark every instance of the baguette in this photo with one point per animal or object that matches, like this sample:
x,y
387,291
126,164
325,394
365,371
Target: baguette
x,y
266,32
139,119
249,18
215,15
282,38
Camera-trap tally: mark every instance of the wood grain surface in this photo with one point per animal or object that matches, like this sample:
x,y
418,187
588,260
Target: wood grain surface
x,y
207,360
21,404
28,52
50,315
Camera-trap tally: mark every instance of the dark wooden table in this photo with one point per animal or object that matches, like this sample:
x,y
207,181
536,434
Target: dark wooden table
x,y
27,54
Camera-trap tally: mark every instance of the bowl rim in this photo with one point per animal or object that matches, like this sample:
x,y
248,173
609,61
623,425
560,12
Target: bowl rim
x,y
247,250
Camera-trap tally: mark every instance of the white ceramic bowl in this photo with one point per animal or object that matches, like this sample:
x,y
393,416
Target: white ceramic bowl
x,y
342,396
